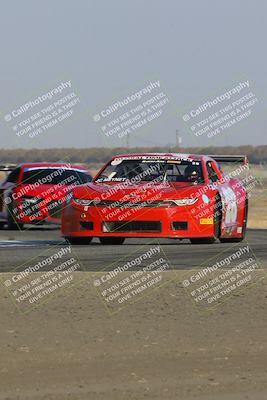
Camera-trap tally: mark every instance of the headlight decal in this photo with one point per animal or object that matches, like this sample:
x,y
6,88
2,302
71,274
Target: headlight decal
x,y
186,202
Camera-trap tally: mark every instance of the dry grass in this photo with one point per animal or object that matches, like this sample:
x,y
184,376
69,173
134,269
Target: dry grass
x,y
257,208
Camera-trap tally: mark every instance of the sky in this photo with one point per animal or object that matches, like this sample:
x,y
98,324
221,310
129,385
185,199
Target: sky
x,y
158,61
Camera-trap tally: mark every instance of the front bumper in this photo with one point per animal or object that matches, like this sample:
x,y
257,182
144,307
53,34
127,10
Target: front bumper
x,y
44,211
177,222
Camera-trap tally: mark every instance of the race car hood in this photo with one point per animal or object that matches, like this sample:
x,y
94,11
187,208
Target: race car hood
x,y
119,191
41,191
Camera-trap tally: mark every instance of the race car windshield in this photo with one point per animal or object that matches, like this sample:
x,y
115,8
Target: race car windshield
x,y
177,170
55,176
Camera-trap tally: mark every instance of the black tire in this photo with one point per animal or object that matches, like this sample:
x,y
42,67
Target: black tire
x,y
111,240
12,224
245,220
2,224
78,240
208,240
217,225
231,240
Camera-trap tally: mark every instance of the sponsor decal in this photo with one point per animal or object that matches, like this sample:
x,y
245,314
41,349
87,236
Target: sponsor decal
x,y
206,221
116,161
230,201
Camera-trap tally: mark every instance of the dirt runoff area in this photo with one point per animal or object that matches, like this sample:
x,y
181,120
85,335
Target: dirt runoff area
x,y
160,347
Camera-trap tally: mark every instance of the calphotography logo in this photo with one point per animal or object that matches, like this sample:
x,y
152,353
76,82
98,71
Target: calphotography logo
x,y
44,112
222,277
129,279
133,113
222,113
33,284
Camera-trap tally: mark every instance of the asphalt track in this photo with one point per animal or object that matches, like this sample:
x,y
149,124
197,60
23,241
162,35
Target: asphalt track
x,y
19,247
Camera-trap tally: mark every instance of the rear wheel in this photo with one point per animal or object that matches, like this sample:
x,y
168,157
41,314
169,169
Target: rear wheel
x,y
111,240
217,217
78,240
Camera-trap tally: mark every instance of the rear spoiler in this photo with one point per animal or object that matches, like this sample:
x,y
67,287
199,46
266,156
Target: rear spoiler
x,y
230,159
7,167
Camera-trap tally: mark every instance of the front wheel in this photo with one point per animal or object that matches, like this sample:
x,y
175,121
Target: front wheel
x,y
231,240
209,240
217,218
78,240
12,224
111,240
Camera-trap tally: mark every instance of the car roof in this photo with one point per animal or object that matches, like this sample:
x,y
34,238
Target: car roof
x,y
52,165
197,157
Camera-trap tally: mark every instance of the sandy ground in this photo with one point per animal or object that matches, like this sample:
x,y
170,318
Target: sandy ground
x,y
157,348
257,210
160,347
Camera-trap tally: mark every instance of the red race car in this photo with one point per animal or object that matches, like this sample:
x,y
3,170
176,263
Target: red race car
x,y
35,192
158,195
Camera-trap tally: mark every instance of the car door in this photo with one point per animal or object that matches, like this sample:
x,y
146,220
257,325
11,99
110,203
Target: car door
x,y
6,188
228,197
